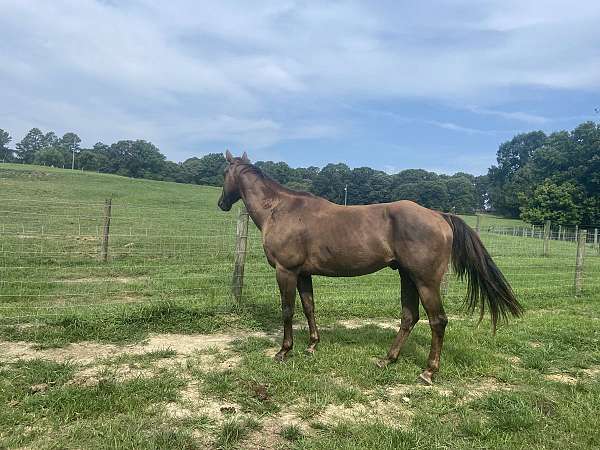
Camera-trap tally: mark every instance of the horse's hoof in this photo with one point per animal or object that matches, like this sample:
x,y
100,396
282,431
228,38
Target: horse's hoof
x,y
279,357
383,363
425,378
310,351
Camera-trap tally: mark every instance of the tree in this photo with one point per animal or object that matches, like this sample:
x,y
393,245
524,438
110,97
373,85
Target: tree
x,y
136,159
95,159
330,182
571,158
550,201
6,154
462,195
50,156
509,177
69,145
368,186
280,171
207,170
33,142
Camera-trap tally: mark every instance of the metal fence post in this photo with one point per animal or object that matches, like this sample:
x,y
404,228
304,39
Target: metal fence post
x,y
547,225
241,244
478,225
106,229
581,238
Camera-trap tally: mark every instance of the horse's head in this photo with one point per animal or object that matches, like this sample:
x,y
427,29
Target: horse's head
x,y
231,187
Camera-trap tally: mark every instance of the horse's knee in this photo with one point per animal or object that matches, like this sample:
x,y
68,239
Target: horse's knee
x,y
308,311
287,312
409,320
438,323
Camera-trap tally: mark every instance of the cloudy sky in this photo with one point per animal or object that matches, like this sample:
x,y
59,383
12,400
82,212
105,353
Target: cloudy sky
x,y
391,85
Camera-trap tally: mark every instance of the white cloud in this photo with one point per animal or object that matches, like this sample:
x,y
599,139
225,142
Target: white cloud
x,y
186,72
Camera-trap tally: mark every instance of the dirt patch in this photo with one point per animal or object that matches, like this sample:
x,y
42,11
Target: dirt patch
x,y
592,372
359,323
122,280
269,436
561,378
482,388
195,404
395,413
388,324
88,352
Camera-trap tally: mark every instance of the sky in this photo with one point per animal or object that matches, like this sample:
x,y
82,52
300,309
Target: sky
x,y
389,85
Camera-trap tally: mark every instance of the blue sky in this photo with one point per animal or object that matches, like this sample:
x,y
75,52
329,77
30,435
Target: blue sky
x,y
391,85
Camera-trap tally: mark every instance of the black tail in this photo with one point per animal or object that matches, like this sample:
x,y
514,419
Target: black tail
x,y
486,284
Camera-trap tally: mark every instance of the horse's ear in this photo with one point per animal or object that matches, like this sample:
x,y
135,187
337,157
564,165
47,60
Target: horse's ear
x,y
228,156
245,158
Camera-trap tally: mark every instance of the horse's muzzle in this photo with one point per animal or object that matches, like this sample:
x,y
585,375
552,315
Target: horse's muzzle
x,y
223,205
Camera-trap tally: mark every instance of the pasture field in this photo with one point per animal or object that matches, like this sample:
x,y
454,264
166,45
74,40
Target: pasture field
x,y
149,350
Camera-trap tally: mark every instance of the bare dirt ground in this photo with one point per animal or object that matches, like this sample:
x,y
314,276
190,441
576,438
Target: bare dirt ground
x,y
213,352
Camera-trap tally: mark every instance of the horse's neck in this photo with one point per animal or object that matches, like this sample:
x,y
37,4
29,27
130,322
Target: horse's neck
x,y
259,195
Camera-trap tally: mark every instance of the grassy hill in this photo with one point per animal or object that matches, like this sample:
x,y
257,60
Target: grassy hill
x,y
169,271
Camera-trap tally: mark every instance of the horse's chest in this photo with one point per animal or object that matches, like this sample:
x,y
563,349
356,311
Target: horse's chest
x,y
283,248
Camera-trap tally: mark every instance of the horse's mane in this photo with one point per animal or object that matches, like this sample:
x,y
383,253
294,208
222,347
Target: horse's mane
x,y
251,168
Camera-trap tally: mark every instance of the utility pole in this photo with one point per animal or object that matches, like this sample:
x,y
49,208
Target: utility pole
x,y
73,162
346,195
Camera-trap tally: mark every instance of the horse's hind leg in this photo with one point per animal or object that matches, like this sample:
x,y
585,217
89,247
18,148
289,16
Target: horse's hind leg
x,y
409,297
432,302
305,289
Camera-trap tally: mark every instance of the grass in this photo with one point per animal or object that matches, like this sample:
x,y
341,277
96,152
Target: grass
x,y
534,384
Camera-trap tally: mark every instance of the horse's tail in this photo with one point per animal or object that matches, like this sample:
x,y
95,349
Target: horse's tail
x,y
486,284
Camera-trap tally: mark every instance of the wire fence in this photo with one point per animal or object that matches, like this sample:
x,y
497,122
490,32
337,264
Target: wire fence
x,y
51,261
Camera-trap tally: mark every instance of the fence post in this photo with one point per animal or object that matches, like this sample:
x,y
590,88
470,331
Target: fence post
x,y
106,229
596,240
546,237
581,238
559,231
241,243
478,225
446,280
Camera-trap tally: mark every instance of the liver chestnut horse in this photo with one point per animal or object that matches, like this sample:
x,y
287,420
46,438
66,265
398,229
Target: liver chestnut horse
x,y
305,235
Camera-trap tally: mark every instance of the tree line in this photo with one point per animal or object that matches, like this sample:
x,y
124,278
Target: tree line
x,y
553,177
538,177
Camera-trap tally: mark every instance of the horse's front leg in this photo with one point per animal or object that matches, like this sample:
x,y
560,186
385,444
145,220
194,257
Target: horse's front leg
x,y
287,281
305,289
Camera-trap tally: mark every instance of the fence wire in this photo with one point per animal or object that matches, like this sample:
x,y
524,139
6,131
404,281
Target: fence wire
x,y
51,265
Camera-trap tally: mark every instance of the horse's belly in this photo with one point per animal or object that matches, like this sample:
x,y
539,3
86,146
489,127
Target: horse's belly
x,y
347,262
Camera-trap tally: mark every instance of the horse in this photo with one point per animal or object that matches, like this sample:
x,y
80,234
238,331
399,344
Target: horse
x,y
305,235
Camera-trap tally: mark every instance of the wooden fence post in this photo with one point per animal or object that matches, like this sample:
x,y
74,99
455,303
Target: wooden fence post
x,y
596,243
581,238
446,280
546,237
241,244
106,229
559,231
478,225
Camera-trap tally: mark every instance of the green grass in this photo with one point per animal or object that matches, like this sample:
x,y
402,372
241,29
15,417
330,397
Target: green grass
x,y
171,257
